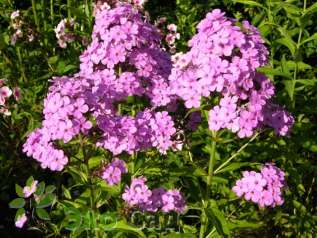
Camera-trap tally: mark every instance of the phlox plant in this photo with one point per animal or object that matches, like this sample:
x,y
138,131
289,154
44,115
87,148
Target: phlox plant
x,y
139,129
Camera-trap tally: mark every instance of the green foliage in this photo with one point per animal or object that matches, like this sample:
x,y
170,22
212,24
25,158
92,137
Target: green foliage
x,y
80,204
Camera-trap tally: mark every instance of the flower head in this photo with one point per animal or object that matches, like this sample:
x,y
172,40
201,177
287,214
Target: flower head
x,y
21,220
264,188
29,190
113,172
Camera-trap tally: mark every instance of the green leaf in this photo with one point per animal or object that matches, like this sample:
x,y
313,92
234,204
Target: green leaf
x,y
2,42
179,235
112,190
40,189
17,203
189,229
291,9
95,161
251,3
29,181
273,72
50,189
68,68
73,218
53,59
77,174
218,219
19,190
311,9
313,37
308,82
289,43
300,207
235,224
233,166
42,214
66,192
46,201
124,226
289,88
300,65
19,213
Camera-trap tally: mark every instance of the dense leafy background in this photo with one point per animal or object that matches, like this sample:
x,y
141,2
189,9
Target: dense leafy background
x,y
290,30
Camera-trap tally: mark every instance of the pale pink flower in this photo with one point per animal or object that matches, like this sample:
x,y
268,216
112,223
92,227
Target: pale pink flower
x,y
172,27
139,3
17,93
15,14
5,92
2,82
29,190
5,111
21,220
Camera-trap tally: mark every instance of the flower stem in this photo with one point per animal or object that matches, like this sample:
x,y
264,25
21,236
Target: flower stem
x,y
35,15
204,218
69,5
21,65
296,59
94,230
52,11
236,154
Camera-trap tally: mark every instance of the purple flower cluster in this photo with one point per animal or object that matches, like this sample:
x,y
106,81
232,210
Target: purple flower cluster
x,y
263,188
65,108
39,146
64,118
194,120
123,41
223,59
112,173
124,59
146,130
279,119
140,196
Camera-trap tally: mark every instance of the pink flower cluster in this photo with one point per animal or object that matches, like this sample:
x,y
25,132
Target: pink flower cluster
x,y
5,94
63,32
223,59
101,5
171,37
20,28
263,188
139,3
124,59
140,196
27,192
169,32
112,173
